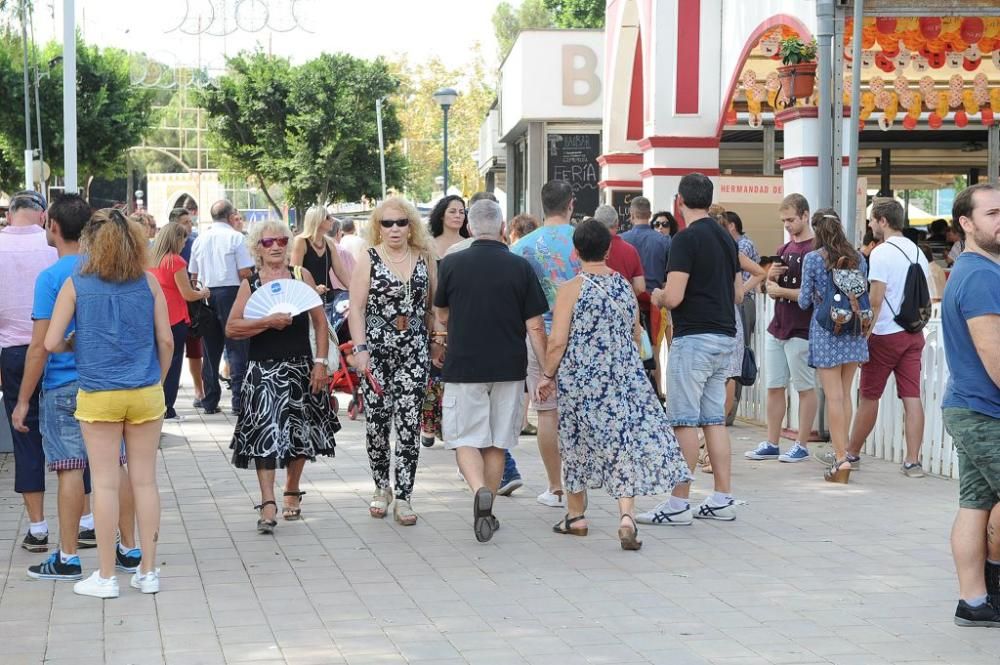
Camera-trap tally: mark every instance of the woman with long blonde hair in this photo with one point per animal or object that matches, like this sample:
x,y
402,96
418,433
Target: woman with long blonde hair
x,y
170,270
392,290
317,253
123,346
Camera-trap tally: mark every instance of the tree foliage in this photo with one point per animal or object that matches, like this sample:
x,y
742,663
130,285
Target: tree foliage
x,y
508,21
422,121
311,128
577,13
112,115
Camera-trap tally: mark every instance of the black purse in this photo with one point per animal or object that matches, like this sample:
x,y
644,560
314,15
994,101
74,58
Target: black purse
x,y
748,375
201,314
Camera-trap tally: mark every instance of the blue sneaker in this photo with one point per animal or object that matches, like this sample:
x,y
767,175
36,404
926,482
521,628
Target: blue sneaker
x,y
796,453
764,450
128,563
53,568
511,477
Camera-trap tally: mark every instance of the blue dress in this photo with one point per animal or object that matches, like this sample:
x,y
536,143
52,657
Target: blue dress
x,y
826,349
613,433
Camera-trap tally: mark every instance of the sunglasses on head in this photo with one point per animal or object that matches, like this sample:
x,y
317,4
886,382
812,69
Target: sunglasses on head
x,y
269,242
401,223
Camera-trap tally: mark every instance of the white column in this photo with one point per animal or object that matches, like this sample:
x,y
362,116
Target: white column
x,y
69,94
800,166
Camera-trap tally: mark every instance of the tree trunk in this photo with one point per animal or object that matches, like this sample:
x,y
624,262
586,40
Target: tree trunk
x,y
267,195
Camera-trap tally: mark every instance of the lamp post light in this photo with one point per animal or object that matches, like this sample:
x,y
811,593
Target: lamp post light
x,y
445,97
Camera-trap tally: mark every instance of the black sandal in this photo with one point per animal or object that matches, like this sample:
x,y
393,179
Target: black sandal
x,y
266,527
629,537
289,513
565,526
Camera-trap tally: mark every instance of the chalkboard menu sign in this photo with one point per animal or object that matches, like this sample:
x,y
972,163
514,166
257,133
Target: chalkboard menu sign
x,y
621,201
573,158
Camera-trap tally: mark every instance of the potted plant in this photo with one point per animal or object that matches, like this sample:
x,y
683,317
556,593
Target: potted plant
x,y
798,71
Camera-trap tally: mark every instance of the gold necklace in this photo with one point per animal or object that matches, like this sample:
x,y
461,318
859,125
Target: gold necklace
x,y
388,256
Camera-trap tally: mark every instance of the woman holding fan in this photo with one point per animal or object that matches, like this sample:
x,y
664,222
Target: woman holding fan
x,y
391,290
287,416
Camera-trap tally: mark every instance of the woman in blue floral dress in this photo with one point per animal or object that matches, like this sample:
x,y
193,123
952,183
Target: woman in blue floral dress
x,y
613,432
835,357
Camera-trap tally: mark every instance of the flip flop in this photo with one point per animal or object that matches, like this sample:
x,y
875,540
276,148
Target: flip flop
x,y
482,515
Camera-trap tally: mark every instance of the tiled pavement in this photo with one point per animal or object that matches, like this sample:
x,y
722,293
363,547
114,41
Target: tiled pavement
x,y
809,573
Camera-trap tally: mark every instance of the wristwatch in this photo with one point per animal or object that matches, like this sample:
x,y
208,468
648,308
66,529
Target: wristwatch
x,y
322,361
358,348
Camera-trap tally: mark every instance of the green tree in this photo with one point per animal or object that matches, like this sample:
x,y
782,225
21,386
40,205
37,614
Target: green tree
x,y
333,132
422,121
577,13
112,114
248,118
508,21
309,128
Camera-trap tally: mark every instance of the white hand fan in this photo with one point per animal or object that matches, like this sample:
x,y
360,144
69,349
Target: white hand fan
x,y
289,296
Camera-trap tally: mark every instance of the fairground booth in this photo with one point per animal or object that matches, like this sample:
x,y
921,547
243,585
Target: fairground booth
x,y
892,96
736,90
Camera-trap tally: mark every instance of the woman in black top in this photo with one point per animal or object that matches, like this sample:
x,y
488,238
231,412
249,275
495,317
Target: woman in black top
x,y
316,252
287,416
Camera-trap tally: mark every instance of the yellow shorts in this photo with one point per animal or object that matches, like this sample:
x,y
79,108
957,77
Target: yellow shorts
x,y
134,406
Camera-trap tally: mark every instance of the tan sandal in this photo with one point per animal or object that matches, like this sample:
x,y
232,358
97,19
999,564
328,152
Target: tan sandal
x,y
839,472
403,513
290,513
629,537
380,503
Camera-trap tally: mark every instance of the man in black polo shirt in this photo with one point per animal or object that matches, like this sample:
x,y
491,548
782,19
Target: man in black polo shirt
x,y
703,280
489,299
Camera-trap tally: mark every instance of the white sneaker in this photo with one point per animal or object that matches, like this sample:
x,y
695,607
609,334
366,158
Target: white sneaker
x,y
551,499
97,586
148,583
726,513
664,515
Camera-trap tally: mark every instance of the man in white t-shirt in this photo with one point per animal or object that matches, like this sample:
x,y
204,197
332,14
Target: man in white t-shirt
x,y
891,349
351,241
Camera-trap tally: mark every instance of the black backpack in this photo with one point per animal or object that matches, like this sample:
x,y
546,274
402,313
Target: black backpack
x,y
915,307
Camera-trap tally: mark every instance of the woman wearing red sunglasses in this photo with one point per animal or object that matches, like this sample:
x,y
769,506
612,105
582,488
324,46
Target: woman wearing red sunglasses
x,y
392,287
287,416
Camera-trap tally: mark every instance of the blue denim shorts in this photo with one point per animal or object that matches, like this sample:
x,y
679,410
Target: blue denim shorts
x,y
61,437
696,380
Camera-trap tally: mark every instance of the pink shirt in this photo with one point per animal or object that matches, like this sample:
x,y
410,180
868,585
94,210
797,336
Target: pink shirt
x,y
346,260
24,252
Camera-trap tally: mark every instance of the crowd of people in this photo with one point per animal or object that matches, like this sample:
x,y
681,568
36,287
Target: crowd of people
x,y
453,327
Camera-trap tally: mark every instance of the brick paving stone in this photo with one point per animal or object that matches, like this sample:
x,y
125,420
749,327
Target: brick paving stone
x,y
808,573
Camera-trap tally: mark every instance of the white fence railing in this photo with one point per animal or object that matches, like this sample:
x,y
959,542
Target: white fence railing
x,y
886,440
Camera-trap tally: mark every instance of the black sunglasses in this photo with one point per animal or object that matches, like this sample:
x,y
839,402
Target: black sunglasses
x,y
401,223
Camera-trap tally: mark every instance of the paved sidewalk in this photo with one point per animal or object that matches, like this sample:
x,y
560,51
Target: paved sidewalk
x,y
809,573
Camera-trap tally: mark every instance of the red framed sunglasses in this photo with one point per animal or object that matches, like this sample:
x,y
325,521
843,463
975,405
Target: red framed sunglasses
x,y
269,242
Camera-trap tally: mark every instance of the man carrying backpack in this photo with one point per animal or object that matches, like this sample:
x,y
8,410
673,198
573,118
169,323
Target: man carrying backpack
x,y
900,298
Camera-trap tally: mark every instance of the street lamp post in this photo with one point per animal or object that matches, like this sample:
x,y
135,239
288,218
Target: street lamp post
x,y
445,97
381,142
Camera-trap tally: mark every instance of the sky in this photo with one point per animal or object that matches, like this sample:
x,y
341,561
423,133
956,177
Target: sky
x,y
167,30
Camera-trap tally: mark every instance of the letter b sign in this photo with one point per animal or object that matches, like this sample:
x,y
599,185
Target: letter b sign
x,y
580,83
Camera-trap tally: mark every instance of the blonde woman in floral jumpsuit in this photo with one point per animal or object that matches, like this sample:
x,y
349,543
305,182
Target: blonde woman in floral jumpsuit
x,y
391,288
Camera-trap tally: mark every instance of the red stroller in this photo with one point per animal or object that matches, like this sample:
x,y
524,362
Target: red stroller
x,y
346,380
